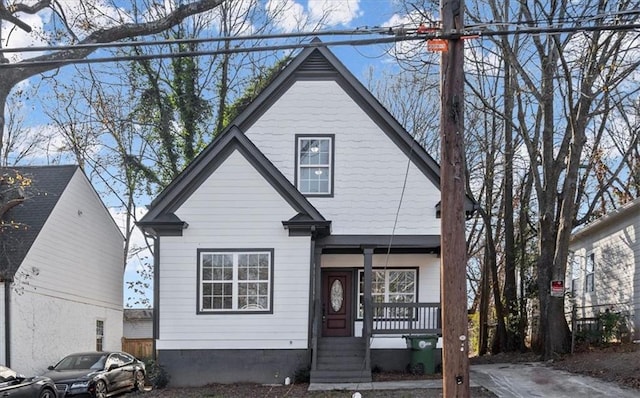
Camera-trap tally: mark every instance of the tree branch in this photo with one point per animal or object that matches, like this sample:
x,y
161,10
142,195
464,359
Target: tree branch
x,y
113,34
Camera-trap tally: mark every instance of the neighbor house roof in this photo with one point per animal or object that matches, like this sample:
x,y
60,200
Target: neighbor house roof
x,y
47,185
624,212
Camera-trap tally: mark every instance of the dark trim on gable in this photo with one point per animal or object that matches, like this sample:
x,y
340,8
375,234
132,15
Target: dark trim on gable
x,y
319,63
301,225
174,195
332,137
219,312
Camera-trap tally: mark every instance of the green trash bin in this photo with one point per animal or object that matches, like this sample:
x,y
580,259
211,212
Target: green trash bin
x,y
423,358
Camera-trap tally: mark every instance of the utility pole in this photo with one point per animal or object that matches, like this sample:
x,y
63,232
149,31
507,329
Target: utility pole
x,y
453,262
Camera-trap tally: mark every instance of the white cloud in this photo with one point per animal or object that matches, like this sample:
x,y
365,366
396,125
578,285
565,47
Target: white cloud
x,y
289,15
334,12
14,37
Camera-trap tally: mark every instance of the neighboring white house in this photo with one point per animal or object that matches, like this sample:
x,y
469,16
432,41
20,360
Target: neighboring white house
x,y
604,267
63,268
304,236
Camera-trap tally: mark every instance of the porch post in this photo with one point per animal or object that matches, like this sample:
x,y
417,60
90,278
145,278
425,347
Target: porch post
x,y
367,326
317,313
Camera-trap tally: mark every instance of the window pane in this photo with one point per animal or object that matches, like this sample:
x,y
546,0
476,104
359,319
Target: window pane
x,y
251,271
314,161
207,289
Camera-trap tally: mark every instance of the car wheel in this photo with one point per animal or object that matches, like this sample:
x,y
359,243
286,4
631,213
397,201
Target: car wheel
x,y
138,381
101,389
47,393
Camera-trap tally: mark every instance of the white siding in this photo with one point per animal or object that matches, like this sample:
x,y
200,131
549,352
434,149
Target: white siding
x,y
51,328
617,269
234,208
138,329
75,276
369,170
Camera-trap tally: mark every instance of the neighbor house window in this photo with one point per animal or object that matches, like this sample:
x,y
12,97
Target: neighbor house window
x,y
389,286
314,174
99,335
575,273
235,280
589,282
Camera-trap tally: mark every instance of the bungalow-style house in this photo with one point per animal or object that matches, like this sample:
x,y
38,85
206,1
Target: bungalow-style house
x,y
62,267
604,267
304,237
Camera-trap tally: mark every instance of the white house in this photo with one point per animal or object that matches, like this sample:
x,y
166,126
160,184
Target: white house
x,y
604,267
305,236
63,271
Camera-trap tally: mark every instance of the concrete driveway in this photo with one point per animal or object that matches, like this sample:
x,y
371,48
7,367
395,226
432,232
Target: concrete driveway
x,y
524,380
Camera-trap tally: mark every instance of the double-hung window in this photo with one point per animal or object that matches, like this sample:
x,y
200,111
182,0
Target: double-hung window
x,y
314,164
389,286
235,280
99,334
590,268
575,273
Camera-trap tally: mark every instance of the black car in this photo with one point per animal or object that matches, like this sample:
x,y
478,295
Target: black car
x,y
16,385
98,374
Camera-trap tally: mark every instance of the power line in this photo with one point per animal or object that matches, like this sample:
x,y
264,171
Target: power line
x,y
358,31
182,54
363,30
398,34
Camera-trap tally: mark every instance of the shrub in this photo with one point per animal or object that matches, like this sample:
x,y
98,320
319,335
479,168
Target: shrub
x,y
157,376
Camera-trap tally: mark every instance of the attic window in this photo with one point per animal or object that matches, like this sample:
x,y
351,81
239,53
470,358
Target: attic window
x,y
314,165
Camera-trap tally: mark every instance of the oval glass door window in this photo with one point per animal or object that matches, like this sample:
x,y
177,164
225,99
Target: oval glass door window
x,y
337,295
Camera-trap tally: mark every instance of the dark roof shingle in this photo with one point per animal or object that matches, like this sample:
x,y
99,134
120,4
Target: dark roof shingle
x,y
47,185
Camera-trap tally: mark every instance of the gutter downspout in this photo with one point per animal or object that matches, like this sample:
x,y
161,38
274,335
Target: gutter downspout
x,y
7,321
312,294
156,294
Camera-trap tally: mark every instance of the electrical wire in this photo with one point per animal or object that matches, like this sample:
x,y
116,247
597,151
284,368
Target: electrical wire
x,y
397,34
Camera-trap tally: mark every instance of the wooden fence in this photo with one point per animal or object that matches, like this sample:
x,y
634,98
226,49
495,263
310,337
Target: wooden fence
x,y
140,348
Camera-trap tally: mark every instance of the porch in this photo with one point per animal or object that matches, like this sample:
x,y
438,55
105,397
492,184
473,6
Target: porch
x,y
345,313
348,359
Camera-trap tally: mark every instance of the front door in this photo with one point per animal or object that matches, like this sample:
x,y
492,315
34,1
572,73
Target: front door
x,y
336,303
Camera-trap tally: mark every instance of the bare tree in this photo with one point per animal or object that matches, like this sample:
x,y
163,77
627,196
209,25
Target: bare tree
x,y
120,29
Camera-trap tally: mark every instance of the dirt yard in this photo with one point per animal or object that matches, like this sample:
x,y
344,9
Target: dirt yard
x,y
616,363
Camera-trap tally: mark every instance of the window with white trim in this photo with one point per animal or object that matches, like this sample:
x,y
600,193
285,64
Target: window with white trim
x,y
590,268
235,280
576,268
389,286
314,165
99,335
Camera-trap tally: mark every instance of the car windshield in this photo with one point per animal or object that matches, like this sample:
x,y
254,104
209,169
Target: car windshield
x,y
82,361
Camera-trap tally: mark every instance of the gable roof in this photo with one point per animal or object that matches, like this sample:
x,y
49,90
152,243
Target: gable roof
x,y
317,62
47,185
161,219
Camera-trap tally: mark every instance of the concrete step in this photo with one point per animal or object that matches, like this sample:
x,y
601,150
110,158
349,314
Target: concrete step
x,y
335,376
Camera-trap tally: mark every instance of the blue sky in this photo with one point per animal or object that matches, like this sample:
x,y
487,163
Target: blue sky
x,y
336,14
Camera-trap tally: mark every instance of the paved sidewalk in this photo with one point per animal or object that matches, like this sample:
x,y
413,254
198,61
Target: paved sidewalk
x,y
508,380
525,380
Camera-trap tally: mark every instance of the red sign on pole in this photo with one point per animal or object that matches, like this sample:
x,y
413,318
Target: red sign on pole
x,y
438,45
557,288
